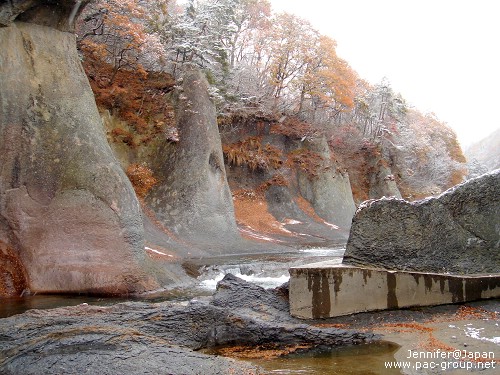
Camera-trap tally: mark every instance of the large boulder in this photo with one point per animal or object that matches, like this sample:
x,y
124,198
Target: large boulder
x,y
69,218
457,232
192,196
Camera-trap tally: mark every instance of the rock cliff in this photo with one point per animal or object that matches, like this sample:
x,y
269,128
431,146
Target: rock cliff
x,y
329,191
192,196
457,232
68,213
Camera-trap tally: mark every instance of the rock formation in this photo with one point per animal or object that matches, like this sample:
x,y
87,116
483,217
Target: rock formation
x,y
151,338
383,184
69,218
329,191
192,197
457,232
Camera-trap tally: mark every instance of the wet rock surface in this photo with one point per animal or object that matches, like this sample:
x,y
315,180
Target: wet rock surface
x,y
142,338
457,232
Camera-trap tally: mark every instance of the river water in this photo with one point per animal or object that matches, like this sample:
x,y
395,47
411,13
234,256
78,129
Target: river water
x,y
266,270
366,359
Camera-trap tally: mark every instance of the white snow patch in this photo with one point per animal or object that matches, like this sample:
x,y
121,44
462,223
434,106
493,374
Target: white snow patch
x,y
249,231
475,333
158,252
291,222
333,226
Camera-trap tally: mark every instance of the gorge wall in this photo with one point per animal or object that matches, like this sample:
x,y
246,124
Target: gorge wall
x,y
192,197
70,219
330,191
67,210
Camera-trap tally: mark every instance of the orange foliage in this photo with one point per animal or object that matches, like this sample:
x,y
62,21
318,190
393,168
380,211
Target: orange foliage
x,y
250,209
276,180
114,45
327,77
469,312
141,178
408,327
140,101
308,161
294,128
108,30
250,152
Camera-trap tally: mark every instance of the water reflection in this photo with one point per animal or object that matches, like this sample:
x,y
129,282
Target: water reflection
x,y
13,306
366,359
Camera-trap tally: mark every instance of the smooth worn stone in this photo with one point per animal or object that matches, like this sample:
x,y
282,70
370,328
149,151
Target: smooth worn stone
x,y
69,218
192,197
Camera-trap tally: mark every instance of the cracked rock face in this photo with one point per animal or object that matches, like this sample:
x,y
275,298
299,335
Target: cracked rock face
x,y
69,218
457,232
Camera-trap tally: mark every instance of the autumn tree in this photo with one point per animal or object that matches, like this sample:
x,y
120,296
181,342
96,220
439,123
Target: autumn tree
x,y
289,41
111,31
248,19
378,109
326,81
124,61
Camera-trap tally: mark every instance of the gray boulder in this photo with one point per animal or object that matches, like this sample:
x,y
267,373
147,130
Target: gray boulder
x,y
69,218
457,232
383,184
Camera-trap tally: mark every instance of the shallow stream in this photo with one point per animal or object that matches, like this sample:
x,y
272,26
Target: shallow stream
x,y
266,270
366,359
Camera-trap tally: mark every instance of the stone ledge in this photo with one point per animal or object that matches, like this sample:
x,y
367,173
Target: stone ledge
x,y
325,289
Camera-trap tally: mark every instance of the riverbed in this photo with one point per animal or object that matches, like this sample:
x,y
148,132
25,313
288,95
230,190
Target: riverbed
x,y
472,327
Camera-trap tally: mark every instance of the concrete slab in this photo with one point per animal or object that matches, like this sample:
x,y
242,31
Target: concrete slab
x,y
326,289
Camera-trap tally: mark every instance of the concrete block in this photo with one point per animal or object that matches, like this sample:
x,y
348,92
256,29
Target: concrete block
x,y
326,289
